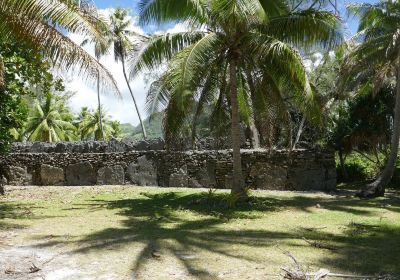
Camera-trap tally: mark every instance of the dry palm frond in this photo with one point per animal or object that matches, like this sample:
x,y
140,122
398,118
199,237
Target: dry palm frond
x,y
44,25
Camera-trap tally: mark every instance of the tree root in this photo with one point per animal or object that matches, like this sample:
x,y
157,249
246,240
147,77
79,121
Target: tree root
x,y
371,191
319,245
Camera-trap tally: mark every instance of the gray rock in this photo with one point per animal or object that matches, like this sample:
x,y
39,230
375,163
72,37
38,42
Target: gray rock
x,y
51,176
331,173
302,180
80,174
193,183
18,176
142,145
115,146
206,175
143,173
157,144
111,175
330,184
178,180
38,147
228,181
268,177
61,147
77,147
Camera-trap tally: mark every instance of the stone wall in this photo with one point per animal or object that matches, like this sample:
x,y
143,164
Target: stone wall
x,y
124,145
301,170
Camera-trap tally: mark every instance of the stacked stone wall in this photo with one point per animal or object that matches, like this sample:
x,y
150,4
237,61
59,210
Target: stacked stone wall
x,y
262,169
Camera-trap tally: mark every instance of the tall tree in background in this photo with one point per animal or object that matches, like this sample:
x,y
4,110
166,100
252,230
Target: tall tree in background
x,y
101,48
50,121
88,124
122,45
228,39
378,55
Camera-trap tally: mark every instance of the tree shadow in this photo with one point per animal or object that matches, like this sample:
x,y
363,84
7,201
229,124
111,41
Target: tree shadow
x,y
175,222
15,211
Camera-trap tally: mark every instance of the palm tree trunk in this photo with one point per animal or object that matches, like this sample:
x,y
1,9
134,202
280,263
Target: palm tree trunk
x,y
377,188
237,181
133,97
99,103
299,132
255,137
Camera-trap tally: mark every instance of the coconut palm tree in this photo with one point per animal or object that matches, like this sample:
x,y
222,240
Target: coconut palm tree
x,y
378,56
226,40
50,121
119,37
39,23
90,127
101,48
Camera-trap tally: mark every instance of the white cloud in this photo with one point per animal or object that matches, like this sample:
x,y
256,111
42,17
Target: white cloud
x,y
121,109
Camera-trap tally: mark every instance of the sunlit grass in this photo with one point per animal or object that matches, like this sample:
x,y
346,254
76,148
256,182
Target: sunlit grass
x,y
200,237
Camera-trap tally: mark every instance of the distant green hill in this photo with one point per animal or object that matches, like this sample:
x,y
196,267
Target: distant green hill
x,y
152,125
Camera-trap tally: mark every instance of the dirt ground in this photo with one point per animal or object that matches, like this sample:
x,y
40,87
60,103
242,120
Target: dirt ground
x,y
122,232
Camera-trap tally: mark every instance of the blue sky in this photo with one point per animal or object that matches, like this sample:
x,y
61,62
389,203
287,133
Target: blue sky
x,y
132,4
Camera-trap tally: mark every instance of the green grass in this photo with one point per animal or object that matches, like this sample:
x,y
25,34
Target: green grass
x,y
200,237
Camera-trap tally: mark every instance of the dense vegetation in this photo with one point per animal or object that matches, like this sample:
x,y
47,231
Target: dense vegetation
x,y
278,71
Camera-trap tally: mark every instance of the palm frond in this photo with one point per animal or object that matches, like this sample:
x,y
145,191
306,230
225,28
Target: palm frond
x,y
37,24
306,29
159,49
160,11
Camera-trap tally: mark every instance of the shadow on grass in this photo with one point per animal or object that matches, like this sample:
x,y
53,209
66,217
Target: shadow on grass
x,y
15,211
176,222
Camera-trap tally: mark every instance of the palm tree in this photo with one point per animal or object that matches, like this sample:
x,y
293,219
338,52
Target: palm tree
x,y
100,49
90,125
50,121
378,56
228,39
119,37
38,23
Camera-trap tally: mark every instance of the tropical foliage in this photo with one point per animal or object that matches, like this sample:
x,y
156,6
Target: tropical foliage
x,y
91,126
41,27
119,37
50,121
22,68
265,70
239,56
377,57
37,24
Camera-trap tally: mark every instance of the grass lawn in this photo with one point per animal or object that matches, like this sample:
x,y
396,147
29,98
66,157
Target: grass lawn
x,y
153,233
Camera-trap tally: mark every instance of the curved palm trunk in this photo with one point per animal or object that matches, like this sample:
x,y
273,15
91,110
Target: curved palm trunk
x,y
133,98
99,103
237,181
377,188
299,132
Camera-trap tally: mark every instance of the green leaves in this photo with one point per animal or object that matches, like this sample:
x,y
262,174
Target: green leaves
x,y
160,11
306,29
38,24
260,35
161,48
376,51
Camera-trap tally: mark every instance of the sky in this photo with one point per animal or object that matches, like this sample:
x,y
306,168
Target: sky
x,y
122,109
